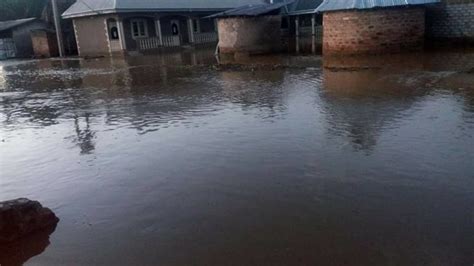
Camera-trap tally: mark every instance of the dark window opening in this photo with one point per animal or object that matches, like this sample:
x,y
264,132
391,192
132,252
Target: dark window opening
x,y
114,35
195,25
174,29
284,23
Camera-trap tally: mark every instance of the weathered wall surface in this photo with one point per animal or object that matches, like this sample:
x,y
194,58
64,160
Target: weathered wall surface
x,y
91,36
44,44
451,20
249,35
373,31
21,36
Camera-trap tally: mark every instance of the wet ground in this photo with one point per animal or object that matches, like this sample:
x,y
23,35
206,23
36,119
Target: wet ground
x,y
284,160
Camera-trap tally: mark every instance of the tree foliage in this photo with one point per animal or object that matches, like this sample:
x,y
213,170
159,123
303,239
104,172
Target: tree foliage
x,y
18,9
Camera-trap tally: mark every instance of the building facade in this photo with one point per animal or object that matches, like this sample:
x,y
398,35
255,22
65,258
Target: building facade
x,y
253,29
45,43
373,31
119,27
18,32
452,20
368,27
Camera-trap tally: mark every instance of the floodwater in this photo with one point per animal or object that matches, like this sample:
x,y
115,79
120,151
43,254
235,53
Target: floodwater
x,y
285,160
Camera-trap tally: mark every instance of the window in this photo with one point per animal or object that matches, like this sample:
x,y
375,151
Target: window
x,y
113,30
114,35
284,23
139,28
175,27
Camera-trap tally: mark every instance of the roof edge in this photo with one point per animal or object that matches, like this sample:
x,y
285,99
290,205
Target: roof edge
x,y
20,22
322,8
302,12
121,11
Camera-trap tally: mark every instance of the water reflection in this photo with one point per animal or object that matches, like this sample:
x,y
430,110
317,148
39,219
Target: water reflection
x,y
279,160
84,136
364,95
304,45
269,99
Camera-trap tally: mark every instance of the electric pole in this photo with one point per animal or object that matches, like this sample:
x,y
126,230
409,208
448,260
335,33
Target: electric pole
x,y
57,25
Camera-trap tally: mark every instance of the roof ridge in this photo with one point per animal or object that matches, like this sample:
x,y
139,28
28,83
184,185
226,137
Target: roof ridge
x,y
84,8
20,19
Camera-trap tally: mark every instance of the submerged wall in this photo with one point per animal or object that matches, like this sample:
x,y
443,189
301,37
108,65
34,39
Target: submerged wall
x,y
250,35
44,44
22,38
91,36
373,31
451,20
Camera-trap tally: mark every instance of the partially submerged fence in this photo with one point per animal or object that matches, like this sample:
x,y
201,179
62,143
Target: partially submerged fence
x,y
7,48
171,41
155,43
317,32
206,37
175,41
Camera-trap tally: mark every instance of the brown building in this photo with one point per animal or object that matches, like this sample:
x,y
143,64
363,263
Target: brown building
x,y
253,29
371,27
257,35
105,27
45,44
17,32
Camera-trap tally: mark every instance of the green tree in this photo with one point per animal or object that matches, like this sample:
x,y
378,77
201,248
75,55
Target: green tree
x,y
18,9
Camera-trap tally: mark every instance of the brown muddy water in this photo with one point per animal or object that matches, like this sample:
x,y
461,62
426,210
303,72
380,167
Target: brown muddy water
x,y
171,161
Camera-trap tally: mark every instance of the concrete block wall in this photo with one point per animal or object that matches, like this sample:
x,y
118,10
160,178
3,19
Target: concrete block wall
x,y
249,35
91,36
373,31
451,20
44,44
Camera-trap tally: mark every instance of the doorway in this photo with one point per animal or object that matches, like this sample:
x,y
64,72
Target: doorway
x,y
175,28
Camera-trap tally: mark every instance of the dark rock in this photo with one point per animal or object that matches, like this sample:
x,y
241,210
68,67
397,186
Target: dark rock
x,y
20,251
22,217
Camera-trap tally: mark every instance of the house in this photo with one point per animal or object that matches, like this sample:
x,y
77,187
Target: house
x,y
367,26
106,27
451,22
45,43
302,18
303,23
265,28
15,38
252,29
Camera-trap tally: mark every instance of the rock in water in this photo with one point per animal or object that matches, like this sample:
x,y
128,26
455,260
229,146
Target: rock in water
x,y
22,217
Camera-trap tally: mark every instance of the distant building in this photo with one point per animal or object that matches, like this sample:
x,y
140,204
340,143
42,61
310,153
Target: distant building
x,y
367,26
252,29
451,21
303,21
17,33
302,17
265,28
45,44
105,27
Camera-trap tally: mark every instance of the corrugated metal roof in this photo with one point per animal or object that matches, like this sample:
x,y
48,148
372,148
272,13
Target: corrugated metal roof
x,y
334,5
6,25
95,7
301,7
251,11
